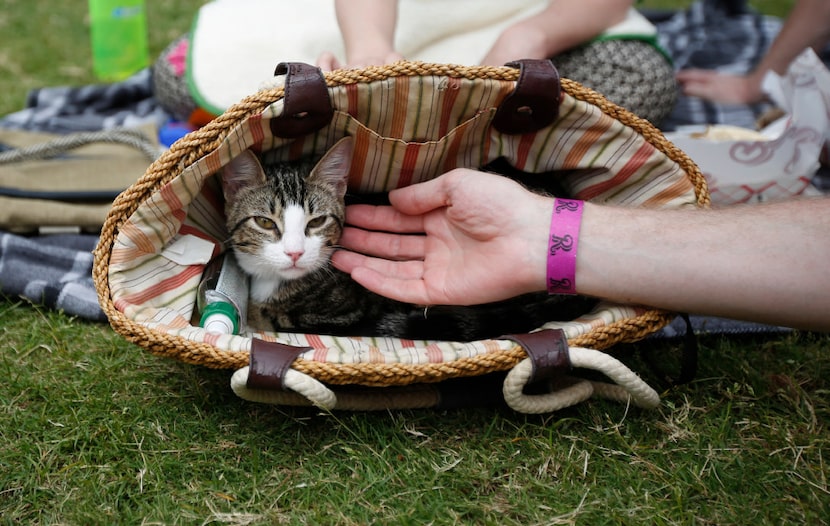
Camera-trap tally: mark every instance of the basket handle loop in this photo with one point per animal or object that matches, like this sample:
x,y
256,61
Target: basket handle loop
x,y
549,358
269,363
534,103
270,372
306,103
548,353
301,389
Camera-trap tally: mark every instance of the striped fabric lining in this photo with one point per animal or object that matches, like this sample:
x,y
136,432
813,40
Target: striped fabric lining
x,y
406,130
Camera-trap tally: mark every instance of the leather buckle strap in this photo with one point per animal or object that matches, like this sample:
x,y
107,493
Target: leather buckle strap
x,y
547,350
269,362
534,103
306,103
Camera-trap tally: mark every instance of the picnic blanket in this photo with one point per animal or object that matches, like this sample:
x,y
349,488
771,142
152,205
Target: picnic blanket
x,y
65,109
713,34
55,270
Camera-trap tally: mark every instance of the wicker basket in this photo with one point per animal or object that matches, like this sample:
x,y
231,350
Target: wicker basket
x,y
423,119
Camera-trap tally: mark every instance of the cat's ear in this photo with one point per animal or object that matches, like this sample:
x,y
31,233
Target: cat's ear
x,y
244,170
333,168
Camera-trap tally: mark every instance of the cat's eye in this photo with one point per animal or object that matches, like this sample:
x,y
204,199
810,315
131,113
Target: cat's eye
x,y
316,222
264,222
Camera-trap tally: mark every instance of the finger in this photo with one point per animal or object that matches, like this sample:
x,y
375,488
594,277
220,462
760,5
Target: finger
x,y
349,262
405,290
381,244
327,61
693,75
418,199
696,89
394,57
383,218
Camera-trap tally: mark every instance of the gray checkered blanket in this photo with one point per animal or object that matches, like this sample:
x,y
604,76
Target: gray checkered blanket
x,y
54,271
65,109
711,34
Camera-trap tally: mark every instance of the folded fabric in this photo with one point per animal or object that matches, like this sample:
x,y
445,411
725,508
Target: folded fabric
x,y
54,271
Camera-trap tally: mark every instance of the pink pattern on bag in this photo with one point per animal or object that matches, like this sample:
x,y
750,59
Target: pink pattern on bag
x,y
177,58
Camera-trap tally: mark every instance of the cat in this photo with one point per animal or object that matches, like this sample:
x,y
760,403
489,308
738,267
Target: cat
x,y
284,221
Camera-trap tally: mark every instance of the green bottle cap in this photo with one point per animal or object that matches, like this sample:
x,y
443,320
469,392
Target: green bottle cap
x,y
224,309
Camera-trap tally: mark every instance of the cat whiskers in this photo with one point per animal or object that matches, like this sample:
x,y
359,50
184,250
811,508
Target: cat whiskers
x,y
327,270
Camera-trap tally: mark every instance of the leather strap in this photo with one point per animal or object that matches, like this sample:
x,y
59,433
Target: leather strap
x,y
534,103
269,362
306,102
686,366
547,350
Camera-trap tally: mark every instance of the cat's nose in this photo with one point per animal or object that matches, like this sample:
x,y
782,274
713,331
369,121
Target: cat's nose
x,y
295,255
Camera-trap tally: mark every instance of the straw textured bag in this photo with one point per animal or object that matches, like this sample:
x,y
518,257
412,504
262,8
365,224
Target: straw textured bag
x,y
410,122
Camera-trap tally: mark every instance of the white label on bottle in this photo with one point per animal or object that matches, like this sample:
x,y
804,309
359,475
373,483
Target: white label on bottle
x,y
189,250
219,323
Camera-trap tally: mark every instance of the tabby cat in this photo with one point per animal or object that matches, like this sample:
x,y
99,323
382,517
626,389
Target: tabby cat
x,y
284,220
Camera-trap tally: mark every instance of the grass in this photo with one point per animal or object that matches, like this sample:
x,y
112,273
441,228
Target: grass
x,y
94,430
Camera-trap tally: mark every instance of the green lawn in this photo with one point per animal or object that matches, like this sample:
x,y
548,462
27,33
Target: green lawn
x,y
94,430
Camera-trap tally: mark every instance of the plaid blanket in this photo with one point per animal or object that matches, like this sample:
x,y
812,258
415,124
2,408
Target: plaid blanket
x,y
55,271
63,109
711,34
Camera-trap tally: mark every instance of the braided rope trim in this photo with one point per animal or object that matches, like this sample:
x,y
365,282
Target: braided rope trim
x,y
198,143
129,137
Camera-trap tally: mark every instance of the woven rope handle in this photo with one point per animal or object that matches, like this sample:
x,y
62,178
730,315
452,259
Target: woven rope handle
x,y
302,390
628,387
52,148
302,384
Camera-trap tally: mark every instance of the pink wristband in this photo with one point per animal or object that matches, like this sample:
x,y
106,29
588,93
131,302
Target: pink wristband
x,y
564,238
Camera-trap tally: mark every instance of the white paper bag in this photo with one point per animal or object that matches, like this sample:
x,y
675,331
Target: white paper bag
x,y
779,161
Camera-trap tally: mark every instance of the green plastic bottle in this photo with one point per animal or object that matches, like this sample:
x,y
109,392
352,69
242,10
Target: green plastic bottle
x,y
118,31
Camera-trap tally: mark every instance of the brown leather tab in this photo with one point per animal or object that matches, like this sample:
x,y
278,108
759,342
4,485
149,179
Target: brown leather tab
x,y
269,361
534,104
307,105
547,350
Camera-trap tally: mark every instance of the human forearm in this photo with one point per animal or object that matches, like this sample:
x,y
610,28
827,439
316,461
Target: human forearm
x,y
453,241
808,25
574,22
368,28
563,24
762,262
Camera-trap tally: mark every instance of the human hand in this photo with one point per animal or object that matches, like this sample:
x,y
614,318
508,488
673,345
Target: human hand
x,y
522,40
560,26
328,62
374,59
721,87
464,238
